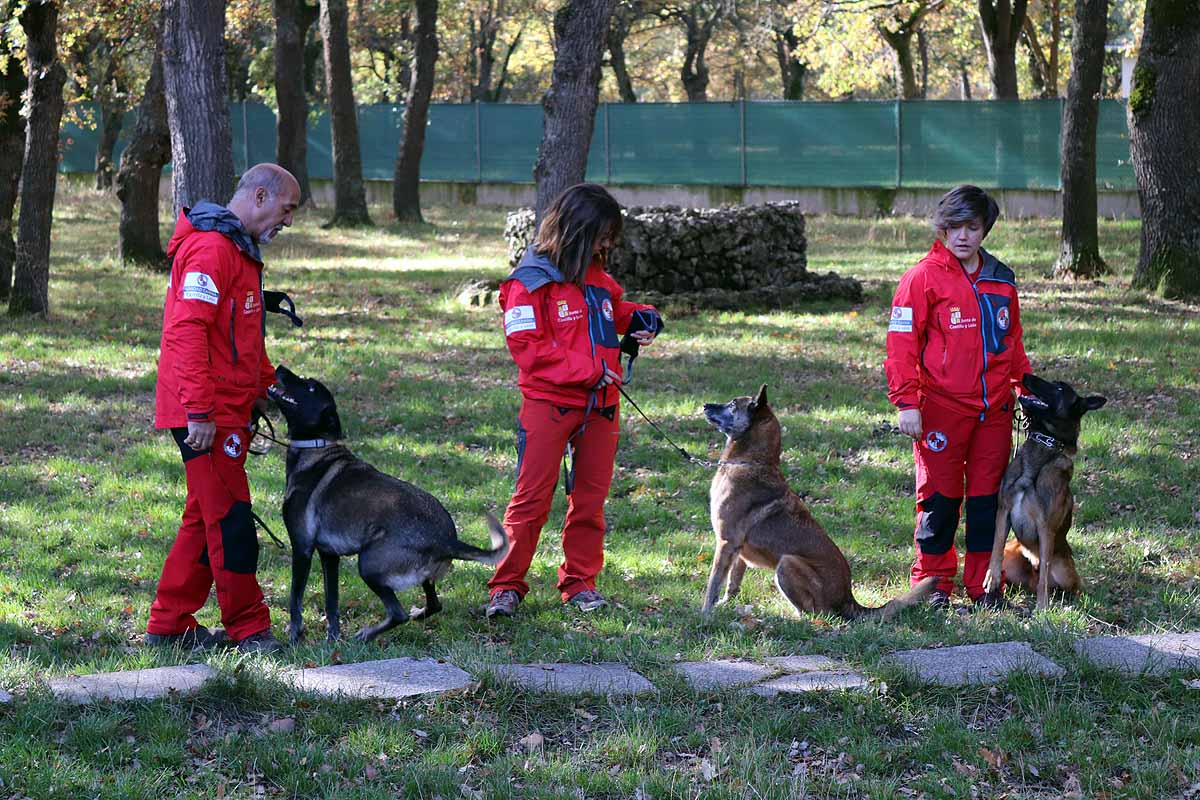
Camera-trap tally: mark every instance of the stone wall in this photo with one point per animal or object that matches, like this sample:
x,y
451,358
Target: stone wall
x,y
713,256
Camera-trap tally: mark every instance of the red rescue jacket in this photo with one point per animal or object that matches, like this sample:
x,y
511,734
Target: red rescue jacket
x,y
954,339
562,337
212,362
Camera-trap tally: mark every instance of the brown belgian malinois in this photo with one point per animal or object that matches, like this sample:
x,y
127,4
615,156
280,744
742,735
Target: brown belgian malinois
x,y
760,522
1035,494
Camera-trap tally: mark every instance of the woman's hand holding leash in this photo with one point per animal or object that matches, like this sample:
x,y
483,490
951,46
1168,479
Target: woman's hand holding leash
x,y
910,422
644,337
608,377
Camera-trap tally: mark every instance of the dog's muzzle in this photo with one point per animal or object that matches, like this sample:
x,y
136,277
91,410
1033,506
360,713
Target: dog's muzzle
x,y
280,395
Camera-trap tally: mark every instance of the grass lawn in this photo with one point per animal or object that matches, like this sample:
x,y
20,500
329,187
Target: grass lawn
x,y
90,497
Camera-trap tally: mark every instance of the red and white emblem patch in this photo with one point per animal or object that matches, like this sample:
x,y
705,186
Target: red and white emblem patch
x,y
936,441
233,445
607,309
1002,318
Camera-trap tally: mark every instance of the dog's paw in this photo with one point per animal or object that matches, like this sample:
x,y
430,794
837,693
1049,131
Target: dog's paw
x,y
295,635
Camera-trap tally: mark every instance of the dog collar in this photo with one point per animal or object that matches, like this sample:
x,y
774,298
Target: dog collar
x,y
1046,441
309,444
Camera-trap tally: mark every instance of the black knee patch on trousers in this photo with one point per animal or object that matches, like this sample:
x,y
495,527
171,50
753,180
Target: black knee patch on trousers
x,y
239,539
939,521
981,522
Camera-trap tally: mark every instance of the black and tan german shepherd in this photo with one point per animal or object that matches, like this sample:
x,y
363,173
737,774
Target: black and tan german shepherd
x,y
760,522
1035,494
338,505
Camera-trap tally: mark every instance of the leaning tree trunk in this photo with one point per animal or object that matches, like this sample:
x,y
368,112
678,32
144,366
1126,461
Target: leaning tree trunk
x,y
569,105
31,280
140,173
111,119
350,195
906,74
618,32
193,48
12,148
1164,134
293,18
406,189
694,72
1079,249
1001,21
792,70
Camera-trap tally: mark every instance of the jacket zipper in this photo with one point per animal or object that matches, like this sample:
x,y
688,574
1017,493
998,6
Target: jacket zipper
x,y
982,341
232,320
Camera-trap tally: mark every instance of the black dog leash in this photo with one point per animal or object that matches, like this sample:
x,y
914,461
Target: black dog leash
x,y
662,433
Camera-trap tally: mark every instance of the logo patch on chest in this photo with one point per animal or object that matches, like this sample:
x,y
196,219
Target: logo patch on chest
x,y
1002,318
251,305
957,320
607,309
566,313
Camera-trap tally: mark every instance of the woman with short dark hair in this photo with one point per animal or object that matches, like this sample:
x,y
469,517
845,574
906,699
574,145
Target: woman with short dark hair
x,y
955,355
562,315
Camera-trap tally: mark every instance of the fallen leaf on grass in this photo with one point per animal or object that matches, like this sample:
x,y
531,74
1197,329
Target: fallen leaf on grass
x,y
370,773
707,771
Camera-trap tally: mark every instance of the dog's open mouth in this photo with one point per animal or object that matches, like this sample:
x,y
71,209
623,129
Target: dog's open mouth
x,y
277,393
1033,400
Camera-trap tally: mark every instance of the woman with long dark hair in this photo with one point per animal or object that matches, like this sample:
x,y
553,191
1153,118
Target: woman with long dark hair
x,y
562,315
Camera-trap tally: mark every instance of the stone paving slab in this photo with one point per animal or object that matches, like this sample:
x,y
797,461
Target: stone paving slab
x,y
605,678
390,678
814,681
804,663
1154,653
723,674
975,663
141,684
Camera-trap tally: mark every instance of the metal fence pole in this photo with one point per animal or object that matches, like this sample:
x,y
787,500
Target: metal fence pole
x,y
742,133
899,145
478,146
607,146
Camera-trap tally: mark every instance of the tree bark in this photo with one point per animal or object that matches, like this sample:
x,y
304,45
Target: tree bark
x,y
900,39
624,14
13,82
1165,144
194,80
699,23
580,28
111,118
350,195
1079,247
792,70
406,188
1001,21
293,19
140,173
31,279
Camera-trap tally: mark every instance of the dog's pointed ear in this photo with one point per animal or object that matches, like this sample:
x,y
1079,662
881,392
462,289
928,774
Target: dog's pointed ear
x,y
1095,401
760,399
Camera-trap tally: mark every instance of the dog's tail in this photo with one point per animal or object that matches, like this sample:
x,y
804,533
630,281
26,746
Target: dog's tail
x,y
490,557
912,597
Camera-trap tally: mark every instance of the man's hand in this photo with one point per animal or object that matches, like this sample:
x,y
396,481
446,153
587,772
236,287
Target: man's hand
x,y
910,422
200,435
643,337
608,377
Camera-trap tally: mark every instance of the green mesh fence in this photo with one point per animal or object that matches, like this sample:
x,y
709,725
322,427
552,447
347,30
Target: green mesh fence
x,y
996,144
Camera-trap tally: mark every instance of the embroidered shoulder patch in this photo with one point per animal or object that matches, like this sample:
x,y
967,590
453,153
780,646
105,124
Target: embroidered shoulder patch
x,y
519,318
901,321
199,286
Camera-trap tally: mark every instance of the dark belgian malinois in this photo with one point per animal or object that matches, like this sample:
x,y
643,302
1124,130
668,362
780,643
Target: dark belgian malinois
x,y
339,505
1035,494
760,522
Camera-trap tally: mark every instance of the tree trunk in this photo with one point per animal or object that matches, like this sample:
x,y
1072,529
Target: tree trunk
x,y
111,117
350,195
618,32
923,54
293,18
580,28
1079,250
140,173
694,72
1165,144
31,279
792,71
964,81
906,74
406,189
483,52
1001,21
13,82
193,48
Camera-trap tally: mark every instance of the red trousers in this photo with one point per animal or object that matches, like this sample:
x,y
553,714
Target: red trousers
x,y
956,453
216,543
542,434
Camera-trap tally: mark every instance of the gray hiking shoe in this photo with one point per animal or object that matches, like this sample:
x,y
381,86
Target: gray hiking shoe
x,y
503,603
588,600
261,643
197,638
